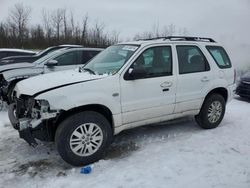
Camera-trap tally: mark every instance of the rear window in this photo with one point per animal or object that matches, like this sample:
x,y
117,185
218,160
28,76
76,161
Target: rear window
x,y
220,56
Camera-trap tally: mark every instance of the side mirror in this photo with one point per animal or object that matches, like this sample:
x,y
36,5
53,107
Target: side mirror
x,y
135,73
51,63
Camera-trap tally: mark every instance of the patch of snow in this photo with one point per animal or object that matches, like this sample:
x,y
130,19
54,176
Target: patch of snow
x,y
174,154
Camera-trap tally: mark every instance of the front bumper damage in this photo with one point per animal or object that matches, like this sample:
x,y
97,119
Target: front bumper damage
x,y
34,125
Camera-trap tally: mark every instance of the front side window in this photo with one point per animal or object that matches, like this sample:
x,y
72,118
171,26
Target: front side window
x,y
47,57
69,58
220,56
155,61
191,60
111,60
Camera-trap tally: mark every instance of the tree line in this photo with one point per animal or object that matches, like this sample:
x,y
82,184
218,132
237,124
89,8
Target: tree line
x,y
59,26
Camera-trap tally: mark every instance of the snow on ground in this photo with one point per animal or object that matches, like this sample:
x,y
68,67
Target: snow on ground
x,y
177,154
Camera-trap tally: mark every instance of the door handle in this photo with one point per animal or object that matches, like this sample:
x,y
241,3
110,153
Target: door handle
x,y
166,84
205,79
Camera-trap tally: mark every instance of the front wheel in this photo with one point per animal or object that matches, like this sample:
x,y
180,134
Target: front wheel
x,y
212,112
83,138
9,94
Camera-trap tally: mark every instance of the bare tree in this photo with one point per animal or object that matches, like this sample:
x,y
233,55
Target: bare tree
x,y
57,27
47,24
156,30
84,29
169,30
65,24
183,31
72,23
18,19
57,20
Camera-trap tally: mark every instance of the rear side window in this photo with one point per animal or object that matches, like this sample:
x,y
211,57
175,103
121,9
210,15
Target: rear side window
x,y
191,60
220,56
3,55
13,53
69,58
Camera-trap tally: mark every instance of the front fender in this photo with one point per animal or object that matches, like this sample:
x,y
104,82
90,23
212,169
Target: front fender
x,y
104,92
61,102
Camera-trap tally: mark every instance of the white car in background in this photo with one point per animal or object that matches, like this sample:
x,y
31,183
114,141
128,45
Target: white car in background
x,y
58,60
127,85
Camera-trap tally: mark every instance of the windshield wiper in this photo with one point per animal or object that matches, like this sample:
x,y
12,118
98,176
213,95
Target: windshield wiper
x,y
89,70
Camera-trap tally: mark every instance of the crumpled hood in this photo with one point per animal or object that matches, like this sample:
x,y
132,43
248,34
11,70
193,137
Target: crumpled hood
x,y
38,84
22,73
15,66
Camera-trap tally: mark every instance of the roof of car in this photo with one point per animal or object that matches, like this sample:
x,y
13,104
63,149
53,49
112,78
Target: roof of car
x,y
173,40
70,45
15,50
86,49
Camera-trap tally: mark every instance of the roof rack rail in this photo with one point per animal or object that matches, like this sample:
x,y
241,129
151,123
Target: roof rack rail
x,y
182,38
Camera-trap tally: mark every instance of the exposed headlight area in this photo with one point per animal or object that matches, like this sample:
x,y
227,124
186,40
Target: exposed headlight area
x,y
29,116
24,106
28,107
41,110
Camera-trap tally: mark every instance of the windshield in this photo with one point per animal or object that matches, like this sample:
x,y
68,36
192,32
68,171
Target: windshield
x,y
48,56
110,60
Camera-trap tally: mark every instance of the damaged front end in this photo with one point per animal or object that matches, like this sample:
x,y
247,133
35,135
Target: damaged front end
x,y
33,119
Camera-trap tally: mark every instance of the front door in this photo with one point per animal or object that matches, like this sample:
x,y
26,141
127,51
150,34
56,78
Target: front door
x,y
152,96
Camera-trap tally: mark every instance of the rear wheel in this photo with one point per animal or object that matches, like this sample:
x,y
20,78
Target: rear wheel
x,y
83,138
212,112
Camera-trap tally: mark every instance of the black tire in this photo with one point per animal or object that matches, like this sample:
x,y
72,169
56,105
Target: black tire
x,y
202,118
11,114
9,94
69,125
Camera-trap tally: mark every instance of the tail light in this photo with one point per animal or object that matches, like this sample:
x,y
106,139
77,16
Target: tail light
x,y
234,76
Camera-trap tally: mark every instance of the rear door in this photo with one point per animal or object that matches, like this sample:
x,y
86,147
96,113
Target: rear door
x,y
193,78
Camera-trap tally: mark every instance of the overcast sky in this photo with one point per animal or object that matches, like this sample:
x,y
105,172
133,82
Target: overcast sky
x,y
224,20
219,18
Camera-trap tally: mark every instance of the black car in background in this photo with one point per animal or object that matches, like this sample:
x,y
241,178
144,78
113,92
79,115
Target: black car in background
x,y
7,52
243,89
32,58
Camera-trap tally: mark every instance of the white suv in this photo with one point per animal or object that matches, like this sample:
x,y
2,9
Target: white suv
x,y
127,85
